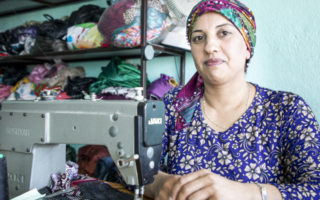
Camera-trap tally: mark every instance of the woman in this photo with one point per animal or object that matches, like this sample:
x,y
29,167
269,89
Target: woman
x,y
229,139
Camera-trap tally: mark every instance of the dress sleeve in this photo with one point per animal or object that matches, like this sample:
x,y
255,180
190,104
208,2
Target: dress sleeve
x,y
300,153
169,123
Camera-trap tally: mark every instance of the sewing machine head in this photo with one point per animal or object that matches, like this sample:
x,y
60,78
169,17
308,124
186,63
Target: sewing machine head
x,y
33,137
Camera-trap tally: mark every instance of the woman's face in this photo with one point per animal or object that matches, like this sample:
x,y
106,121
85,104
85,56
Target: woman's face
x,y
218,49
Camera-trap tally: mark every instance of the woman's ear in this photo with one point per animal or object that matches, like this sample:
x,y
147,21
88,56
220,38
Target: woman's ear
x,y
248,54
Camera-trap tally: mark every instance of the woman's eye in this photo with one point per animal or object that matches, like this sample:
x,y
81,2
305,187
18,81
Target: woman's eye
x,y
197,38
224,33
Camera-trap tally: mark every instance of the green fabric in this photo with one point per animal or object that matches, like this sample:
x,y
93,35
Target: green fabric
x,y
231,15
118,73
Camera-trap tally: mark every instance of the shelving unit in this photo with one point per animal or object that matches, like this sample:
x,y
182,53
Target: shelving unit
x,y
11,7
93,55
107,53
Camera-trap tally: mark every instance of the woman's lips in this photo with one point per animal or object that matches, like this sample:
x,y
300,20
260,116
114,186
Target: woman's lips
x,y
214,62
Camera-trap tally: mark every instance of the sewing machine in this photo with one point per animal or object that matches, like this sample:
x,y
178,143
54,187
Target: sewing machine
x,y
34,134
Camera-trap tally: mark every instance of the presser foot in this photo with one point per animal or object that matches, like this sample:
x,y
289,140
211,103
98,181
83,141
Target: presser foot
x,y
138,192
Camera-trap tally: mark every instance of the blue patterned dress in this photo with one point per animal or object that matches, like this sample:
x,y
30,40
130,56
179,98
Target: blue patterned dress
x,y
275,141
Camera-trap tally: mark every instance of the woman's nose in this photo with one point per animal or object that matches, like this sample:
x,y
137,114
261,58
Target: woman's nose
x,y
212,45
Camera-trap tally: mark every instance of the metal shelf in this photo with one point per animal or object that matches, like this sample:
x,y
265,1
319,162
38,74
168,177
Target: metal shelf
x,y
89,55
11,7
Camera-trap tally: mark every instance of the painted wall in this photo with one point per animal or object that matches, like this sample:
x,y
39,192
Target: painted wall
x,y
288,45
286,56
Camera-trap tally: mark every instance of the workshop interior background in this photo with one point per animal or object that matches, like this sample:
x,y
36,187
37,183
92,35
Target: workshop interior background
x,y
286,56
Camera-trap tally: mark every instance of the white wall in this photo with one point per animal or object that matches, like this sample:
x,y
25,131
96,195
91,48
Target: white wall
x,y
288,45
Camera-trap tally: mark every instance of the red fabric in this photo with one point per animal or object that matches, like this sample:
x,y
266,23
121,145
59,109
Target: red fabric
x,y
63,95
88,156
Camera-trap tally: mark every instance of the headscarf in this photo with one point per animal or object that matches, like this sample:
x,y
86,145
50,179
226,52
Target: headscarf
x,y
240,15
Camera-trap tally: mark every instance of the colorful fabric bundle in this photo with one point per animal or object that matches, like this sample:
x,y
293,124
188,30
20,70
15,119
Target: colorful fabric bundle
x,y
61,78
120,23
64,181
233,10
112,19
130,35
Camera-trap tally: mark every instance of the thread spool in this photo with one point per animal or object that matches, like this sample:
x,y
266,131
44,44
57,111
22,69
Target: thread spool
x,y
4,190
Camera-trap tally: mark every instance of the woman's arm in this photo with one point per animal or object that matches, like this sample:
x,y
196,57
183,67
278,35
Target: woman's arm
x,y
204,184
300,152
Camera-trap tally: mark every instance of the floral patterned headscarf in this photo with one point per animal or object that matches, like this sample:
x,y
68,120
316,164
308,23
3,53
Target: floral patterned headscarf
x,y
240,15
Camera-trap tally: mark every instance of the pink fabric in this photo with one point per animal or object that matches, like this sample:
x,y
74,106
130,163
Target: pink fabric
x,y
185,98
188,90
38,73
42,71
4,92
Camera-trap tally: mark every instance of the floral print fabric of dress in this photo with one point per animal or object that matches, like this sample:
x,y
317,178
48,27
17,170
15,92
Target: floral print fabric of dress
x,y
275,141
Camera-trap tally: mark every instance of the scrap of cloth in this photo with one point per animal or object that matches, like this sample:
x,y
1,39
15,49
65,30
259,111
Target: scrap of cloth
x,y
235,11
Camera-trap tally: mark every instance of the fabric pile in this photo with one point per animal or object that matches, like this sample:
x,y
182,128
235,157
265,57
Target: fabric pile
x,y
116,81
70,185
91,26
120,23
54,35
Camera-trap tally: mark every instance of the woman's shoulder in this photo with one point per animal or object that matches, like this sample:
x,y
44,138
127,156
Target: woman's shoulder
x,y
171,95
279,97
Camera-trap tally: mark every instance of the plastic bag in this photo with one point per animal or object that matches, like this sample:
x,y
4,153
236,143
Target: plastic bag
x,y
84,36
53,28
25,92
86,13
47,44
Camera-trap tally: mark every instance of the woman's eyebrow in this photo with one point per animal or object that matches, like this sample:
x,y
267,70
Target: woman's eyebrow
x,y
196,31
218,26
225,24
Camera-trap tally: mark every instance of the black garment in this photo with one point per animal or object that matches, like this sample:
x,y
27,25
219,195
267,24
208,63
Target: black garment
x,y
93,190
101,191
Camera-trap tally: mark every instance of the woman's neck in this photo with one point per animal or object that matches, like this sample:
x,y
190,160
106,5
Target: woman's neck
x,y
227,97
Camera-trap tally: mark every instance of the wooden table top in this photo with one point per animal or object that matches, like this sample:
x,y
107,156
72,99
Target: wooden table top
x,y
122,188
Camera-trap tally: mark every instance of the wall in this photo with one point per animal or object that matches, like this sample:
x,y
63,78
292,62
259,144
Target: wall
x,y
286,56
287,52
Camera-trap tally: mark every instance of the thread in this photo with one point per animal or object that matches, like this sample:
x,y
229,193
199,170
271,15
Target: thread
x,y
4,190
